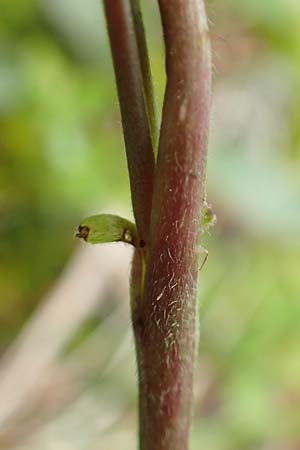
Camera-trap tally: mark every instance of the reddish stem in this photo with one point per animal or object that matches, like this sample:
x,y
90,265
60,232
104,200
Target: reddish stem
x,y
165,319
136,127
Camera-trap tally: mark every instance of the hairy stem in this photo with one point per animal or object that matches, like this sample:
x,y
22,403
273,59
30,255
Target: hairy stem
x,y
165,318
134,110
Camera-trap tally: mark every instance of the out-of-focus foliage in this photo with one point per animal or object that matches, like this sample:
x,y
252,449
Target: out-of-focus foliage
x,y
62,158
60,150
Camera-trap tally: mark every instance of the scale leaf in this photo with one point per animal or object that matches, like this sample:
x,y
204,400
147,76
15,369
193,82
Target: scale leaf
x,y
103,228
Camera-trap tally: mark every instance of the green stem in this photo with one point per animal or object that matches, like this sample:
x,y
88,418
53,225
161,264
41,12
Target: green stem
x,y
145,68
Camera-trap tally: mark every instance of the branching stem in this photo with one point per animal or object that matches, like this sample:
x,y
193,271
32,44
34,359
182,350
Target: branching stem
x,y
167,207
134,110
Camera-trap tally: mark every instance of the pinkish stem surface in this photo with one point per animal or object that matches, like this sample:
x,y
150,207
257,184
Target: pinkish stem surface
x,y
165,318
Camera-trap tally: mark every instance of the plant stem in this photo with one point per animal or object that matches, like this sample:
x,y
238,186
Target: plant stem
x,y
165,318
167,211
134,112
145,68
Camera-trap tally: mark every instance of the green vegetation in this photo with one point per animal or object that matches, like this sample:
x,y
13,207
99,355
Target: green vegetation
x,y
103,228
62,158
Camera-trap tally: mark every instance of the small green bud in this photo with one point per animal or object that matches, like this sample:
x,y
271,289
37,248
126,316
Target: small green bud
x,y
209,218
106,228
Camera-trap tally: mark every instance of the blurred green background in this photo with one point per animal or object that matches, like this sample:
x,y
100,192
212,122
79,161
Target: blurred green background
x,y
62,157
